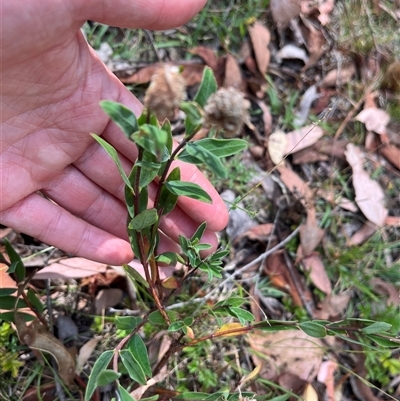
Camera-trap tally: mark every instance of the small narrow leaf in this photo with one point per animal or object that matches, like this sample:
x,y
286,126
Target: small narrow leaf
x,y
167,128
169,258
208,158
167,199
6,291
313,329
139,351
151,138
107,376
135,276
242,314
145,219
384,341
218,147
207,87
17,266
127,323
199,232
189,189
377,327
193,120
8,302
121,115
176,326
133,367
171,283
100,364
114,155
124,395
34,300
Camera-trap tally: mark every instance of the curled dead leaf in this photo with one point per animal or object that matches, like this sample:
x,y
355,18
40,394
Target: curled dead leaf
x,y
374,119
277,146
284,10
37,337
231,330
314,265
260,38
369,194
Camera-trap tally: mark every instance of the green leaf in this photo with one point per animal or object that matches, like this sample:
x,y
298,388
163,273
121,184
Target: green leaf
x,y
145,219
167,199
208,158
8,302
148,172
166,126
6,291
130,201
139,351
283,397
218,147
122,116
232,301
133,367
242,314
124,395
313,329
17,266
153,398
217,256
169,258
114,155
107,376
127,323
189,189
208,86
384,341
132,234
377,327
100,364
199,232
188,321
34,300
176,326
192,396
156,317
152,139
194,118
135,276
9,316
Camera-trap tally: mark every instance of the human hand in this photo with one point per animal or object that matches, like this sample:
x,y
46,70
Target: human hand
x,y
52,83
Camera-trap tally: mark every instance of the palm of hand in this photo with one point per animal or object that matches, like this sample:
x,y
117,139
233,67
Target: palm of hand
x,y
51,97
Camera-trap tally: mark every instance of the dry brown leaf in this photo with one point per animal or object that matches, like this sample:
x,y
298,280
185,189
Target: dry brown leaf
x,y
85,353
310,234
288,351
71,268
284,10
233,75
297,186
292,383
314,265
107,298
339,77
315,45
369,194
276,270
326,375
207,54
303,138
333,306
347,204
37,337
260,232
362,234
291,52
388,289
374,119
391,153
260,39
277,146
390,221
231,330
308,155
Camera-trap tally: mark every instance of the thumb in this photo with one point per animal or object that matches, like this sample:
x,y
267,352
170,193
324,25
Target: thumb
x,y
148,14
